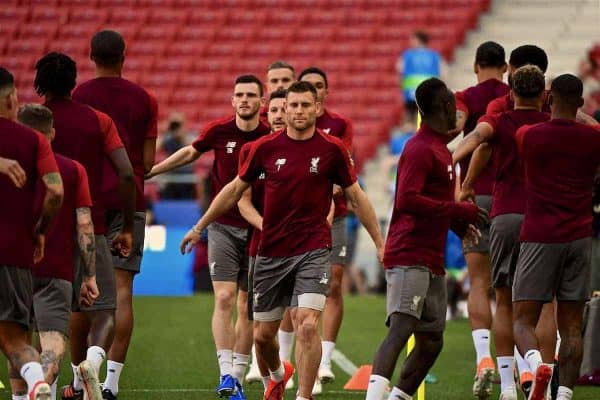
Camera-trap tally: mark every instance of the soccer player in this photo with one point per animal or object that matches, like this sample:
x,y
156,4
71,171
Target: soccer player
x,y
301,164
53,276
23,238
490,67
561,158
88,136
280,75
424,210
508,205
227,237
134,112
340,127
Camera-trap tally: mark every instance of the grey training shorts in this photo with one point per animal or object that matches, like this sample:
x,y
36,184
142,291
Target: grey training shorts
x,y
16,295
504,248
227,256
417,292
52,304
281,282
105,278
114,223
483,246
339,242
546,270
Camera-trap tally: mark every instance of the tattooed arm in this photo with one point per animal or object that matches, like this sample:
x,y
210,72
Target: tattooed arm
x,y
51,206
87,247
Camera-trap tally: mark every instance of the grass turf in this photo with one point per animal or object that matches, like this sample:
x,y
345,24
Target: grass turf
x,y
172,354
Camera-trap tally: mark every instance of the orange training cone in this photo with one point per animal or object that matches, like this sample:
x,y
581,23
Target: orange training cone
x,y
360,379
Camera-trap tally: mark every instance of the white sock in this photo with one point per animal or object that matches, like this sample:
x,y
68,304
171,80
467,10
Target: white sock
x,y
240,362
534,359
225,358
557,350
265,381
96,356
481,341
378,385
254,356
286,342
397,394
19,397
32,373
327,348
277,375
522,365
564,393
301,398
506,368
113,373
53,388
77,382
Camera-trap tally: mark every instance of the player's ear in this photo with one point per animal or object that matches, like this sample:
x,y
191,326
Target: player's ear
x,y
475,68
52,134
318,107
504,68
233,102
580,102
263,101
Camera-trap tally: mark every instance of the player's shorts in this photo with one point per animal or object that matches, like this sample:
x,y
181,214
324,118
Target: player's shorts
x,y
16,295
251,261
546,270
114,224
339,239
483,246
52,304
227,256
281,282
504,248
105,279
416,291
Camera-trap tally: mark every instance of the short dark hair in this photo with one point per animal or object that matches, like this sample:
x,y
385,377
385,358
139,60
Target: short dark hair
x,y
529,54
528,82
7,80
427,94
568,88
314,70
281,64
36,116
250,79
56,73
107,48
302,87
278,94
422,36
490,55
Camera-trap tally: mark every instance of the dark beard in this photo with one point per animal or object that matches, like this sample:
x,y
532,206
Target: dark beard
x,y
247,117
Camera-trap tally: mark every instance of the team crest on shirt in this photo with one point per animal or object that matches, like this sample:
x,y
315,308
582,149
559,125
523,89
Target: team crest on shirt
x,y
230,147
314,165
327,130
280,163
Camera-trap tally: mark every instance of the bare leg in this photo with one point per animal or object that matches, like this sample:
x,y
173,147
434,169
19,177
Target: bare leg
x,y
79,331
222,320
546,333
525,317
102,328
243,327
428,346
53,350
308,349
503,332
478,302
570,320
334,306
123,316
386,357
267,349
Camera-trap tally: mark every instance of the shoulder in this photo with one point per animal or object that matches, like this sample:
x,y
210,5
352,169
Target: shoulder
x,y
335,142
416,146
221,123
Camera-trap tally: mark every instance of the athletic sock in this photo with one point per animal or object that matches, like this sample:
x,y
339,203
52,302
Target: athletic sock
x,y
225,358
254,356
522,365
327,348
506,368
240,362
301,398
481,341
265,381
534,359
96,356
19,397
113,373
397,394
286,342
564,393
77,382
278,374
32,373
378,386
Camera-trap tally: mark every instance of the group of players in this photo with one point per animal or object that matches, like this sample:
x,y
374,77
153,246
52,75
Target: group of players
x,y
283,176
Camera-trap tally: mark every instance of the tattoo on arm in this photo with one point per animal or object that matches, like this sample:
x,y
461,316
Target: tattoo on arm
x,y
52,200
86,240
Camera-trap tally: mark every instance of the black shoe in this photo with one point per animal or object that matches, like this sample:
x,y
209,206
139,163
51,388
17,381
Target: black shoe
x,y
108,395
69,393
526,388
554,382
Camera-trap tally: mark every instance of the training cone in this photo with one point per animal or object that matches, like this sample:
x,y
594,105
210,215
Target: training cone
x,y
360,379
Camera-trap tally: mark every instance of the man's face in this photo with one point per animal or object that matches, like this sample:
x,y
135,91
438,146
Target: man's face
x,y
246,100
319,83
301,110
276,114
279,78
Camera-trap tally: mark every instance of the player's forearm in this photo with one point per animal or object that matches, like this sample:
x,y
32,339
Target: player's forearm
x,y
479,160
52,201
86,241
471,141
583,118
225,200
366,215
250,213
178,159
414,203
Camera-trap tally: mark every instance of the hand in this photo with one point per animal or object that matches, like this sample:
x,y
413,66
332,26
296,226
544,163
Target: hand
x,y
329,220
89,291
380,251
189,241
337,190
149,174
467,193
39,243
472,236
13,170
122,244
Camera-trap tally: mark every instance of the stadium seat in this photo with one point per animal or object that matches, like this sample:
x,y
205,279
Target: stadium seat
x,y
35,47
78,30
129,32
174,64
141,64
210,18
75,47
169,17
146,48
236,34
49,14
90,4
127,16
86,15
192,33
188,48
157,32
13,15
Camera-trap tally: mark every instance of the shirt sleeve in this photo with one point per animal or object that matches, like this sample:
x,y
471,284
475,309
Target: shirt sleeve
x,y
461,103
112,140
244,153
205,141
496,106
84,198
348,135
491,119
46,163
152,131
520,136
344,172
249,167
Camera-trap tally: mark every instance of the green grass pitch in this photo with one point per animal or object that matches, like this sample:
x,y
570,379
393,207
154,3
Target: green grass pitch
x,y
172,354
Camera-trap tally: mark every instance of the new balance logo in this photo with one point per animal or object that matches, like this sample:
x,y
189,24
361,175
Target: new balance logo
x,y
262,176
230,146
327,130
280,163
314,165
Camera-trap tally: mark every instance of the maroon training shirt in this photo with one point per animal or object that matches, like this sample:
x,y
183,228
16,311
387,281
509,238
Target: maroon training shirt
x,y
424,206
473,101
61,238
135,113
88,136
32,151
226,139
300,175
506,103
561,158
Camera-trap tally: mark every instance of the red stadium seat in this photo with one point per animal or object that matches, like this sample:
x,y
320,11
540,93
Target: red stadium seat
x,y
197,82
49,14
175,64
399,18
285,17
207,17
129,32
37,3
75,47
146,48
235,34
395,33
354,33
248,65
347,49
311,33
222,49
261,51
78,31
8,32
156,79
163,31
86,15
45,29
244,18
128,16
327,17
189,48
154,4
14,64
276,34
211,64
165,16
140,64
90,4
370,18
191,33
108,4
31,47
13,15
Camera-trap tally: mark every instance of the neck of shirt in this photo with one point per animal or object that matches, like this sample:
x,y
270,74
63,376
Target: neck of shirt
x,y
303,136
247,125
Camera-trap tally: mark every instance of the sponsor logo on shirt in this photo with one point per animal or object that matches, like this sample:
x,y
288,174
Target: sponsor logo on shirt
x,y
230,146
262,176
280,163
314,165
415,303
327,130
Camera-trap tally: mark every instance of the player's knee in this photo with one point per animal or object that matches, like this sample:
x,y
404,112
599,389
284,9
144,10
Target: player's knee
x,y
307,327
263,336
224,299
433,344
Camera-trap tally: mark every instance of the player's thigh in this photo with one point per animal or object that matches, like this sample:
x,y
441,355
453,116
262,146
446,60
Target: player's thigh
x,y
407,288
504,248
433,317
105,277
52,305
312,280
227,257
483,246
114,222
273,287
16,298
575,276
538,272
